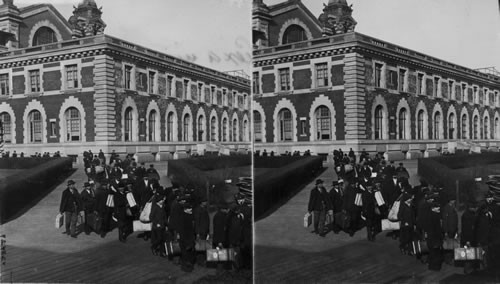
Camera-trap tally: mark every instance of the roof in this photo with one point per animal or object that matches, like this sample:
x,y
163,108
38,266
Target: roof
x,y
287,3
25,10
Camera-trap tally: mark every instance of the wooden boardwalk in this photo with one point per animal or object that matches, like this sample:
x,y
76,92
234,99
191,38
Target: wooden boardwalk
x,y
286,252
37,252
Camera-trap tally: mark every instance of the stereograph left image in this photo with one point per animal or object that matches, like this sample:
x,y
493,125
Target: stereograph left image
x,y
125,141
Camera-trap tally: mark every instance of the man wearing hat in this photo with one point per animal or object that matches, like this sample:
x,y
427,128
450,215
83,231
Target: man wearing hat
x,y
89,207
158,219
435,237
70,206
337,196
187,237
406,215
319,204
122,212
468,234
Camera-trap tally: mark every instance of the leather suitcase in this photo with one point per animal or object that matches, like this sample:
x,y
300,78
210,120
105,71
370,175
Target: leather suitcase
x,y
469,253
172,248
308,220
419,247
389,225
342,220
59,221
203,245
140,226
218,255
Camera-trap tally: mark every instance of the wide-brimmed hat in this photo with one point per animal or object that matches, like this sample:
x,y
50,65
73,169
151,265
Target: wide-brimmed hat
x,y
70,182
319,181
86,184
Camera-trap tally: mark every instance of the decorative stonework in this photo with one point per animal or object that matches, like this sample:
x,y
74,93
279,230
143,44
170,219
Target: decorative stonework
x,y
322,100
284,103
421,106
34,105
43,23
86,20
157,131
175,127
4,107
72,102
294,21
403,103
258,108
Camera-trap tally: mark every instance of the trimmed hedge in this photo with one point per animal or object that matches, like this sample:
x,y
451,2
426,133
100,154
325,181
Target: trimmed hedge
x,y
278,184
22,163
217,162
19,190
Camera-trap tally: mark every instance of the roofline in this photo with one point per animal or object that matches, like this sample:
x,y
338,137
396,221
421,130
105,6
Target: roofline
x,y
301,5
24,10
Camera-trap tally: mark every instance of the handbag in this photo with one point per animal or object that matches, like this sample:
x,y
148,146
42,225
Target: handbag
x,y
59,221
387,225
146,211
139,226
393,213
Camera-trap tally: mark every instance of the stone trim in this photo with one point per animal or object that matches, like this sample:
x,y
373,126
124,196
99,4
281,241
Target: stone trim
x,y
281,104
34,105
403,103
4,107
290,22
258,108
40,24
157,131
175,126
322,100
68,103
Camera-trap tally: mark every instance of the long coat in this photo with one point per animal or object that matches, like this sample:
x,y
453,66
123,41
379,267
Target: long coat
x,y
70,201
158,217
201,221
469,223
219,223
435,233
336,197
89,201
318,200
450,220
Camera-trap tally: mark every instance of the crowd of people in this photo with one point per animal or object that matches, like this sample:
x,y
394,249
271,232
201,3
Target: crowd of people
x,y
14,154
369,192
117,194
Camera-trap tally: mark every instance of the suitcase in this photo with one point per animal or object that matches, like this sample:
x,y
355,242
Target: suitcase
x,y
358,201
130,199
110,201
450,244
172,248
217,255
59,221
469,253
342,220
140,226
308,220
203,245
419,247
393,213
388,225
378,197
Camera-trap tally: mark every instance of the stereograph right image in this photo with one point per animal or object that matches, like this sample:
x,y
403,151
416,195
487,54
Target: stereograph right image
x,y
376,132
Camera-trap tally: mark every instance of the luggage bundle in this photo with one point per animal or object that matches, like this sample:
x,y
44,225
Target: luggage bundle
x,y
308,220
494,185
388,225
59,221
469,253
222,255
245,186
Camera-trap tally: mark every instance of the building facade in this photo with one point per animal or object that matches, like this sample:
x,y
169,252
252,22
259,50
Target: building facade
x,y
320,86
66,86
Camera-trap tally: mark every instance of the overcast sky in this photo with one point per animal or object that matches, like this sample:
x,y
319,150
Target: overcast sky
x,y
463,32
213,33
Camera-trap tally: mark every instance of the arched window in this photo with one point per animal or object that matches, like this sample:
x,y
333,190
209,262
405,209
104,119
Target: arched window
x,y
323,123
464,127
7,127
294,33
495,131
378,122
245,131
128,124
35,126
485,126
213,129
170,126
437,123
73,124
285,125
201,128
476,127
185,127
224,129
420,125
402,123
44,35
235,130
451,125
257,126
152,126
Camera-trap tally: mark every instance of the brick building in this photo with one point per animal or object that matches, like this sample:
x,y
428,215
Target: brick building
x,y
65,85
319,85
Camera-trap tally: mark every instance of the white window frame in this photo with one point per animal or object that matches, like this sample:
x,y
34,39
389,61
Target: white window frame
x,y
28,79
383,74
132,76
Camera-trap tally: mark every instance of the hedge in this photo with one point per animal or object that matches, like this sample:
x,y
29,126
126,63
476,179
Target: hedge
x,y
19,190
277,185
23,163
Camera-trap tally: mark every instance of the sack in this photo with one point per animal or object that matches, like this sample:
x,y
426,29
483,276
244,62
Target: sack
x,y
141,227
308,220
202,245
130,199
379,199
146,211
450,244
469,253
393,213
172,248
59,221
110,202
388,225
419,247
342,220
217,254
358,201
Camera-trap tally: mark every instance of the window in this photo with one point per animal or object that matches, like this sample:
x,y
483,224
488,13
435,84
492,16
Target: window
x,y
476,95
420,125
34,80
128,76
255,83
464,92
170,126
128,124
257,126
451,126
185,127
322,75
485,125
44,35
402,123
73,124
224,129
200,127
224,97
169,86
450,90
294,33
185,90
285,125
152,126
4,84
323,123
435,88
303,125
284,76
464,127
213,129
402,80
437,123
378,75
6,124
235,130
495,130
35,126
420,84
71,77
151,82
53,129
378,122
142,81
476,127
214,97
393,80
200,92
245,131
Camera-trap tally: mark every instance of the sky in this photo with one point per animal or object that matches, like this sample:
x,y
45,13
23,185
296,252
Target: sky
x,y
212,33
463,32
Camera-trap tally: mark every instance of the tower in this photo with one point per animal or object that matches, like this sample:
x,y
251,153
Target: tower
x,y
86,20
260,23
9,25
337,18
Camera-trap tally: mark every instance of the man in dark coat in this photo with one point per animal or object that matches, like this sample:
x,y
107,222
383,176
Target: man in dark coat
x,y
435,238
102,157
103,212
152,173
122,213
468,234
319,205
140,172
70,206
220,229
89,207
352,210
202,227
406,215
187,238
158,218
337,198
368,210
